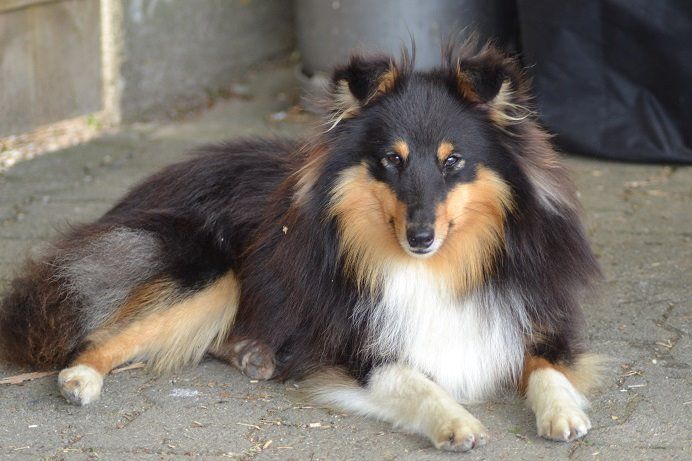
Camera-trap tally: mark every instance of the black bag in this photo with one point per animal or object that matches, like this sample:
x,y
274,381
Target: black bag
x,y
613,78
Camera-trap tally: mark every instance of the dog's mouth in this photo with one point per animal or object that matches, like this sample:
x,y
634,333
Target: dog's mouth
x,y
419,252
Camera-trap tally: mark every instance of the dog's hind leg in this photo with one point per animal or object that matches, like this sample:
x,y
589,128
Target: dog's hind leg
x,y
406,398
158,324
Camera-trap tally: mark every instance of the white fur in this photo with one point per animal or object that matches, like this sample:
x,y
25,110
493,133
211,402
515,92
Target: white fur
x,y
558,406
80,384
407,399
470,347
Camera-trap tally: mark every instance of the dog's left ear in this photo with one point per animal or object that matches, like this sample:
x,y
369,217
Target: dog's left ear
x,y
493,82
479,80
360,82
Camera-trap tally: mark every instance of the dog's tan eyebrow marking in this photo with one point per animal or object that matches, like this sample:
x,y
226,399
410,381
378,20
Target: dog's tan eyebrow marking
x,y
444,150
401,148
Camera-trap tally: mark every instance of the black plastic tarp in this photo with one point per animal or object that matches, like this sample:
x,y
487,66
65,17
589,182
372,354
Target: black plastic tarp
x,y
613,78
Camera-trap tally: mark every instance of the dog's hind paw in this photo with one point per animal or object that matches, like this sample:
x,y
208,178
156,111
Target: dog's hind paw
x,y
251,356
80,384
254,359
563,424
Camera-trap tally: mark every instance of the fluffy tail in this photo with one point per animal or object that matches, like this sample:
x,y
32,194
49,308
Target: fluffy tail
x,y
334,388
36,329
589,371
58,300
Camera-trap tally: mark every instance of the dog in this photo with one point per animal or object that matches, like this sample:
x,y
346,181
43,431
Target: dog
x,y
423,250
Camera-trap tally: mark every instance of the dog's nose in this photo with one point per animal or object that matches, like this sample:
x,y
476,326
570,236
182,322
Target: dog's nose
x,y
420,238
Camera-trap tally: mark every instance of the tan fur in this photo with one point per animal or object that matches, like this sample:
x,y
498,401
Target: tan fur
x,y
308,174
472,219
585,374
465,86
168,336
373,222
588,372
365,210
386,81
532,364
401,148
146,300
444,150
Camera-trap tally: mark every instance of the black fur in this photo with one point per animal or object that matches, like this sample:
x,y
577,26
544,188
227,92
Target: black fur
x,y
234,207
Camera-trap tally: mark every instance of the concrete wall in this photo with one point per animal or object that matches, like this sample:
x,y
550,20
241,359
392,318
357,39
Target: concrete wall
x,y
178,53
132,59
49,62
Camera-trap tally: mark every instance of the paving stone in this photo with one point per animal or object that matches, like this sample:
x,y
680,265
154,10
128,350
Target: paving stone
x,y
637,216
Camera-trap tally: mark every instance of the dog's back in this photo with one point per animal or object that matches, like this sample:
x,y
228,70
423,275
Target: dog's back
x,y
171,237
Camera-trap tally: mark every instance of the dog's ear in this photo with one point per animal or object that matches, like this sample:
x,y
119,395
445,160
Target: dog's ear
x,y
360,82
490,80
366,77
479,80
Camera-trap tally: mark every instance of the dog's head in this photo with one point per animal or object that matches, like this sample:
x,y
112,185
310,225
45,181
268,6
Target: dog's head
x,y
414,163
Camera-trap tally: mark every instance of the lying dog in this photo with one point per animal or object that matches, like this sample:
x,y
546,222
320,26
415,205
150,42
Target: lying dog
x,y
424,250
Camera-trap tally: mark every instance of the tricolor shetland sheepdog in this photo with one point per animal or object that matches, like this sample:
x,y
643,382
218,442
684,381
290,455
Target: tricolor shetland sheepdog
x,y
423,250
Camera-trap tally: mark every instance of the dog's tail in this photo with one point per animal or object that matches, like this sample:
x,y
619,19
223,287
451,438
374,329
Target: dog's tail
x,y
31,315
335,388
60,298
38,324
589,371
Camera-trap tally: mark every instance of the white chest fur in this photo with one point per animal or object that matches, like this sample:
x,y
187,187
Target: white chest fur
x,y
470,347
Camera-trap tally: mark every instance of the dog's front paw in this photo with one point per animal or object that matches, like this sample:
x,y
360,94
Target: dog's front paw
x,y
564,423
80,384
459,434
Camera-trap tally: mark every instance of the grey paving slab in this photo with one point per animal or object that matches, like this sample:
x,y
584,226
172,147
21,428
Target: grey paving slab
x,y
639,219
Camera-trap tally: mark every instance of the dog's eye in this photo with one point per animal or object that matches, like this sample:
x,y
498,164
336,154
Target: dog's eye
x,y
392,158
453,160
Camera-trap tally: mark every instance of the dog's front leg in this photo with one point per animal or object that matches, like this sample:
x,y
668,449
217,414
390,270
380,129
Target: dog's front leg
x,y
407,399
557,404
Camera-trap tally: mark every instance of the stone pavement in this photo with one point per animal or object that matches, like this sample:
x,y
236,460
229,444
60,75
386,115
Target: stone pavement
x,y
639,219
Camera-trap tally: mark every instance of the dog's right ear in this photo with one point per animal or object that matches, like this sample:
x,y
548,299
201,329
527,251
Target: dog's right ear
x,y
366,77
360,82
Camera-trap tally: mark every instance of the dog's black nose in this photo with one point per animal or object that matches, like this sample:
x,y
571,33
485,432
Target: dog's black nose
x,y
420,238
